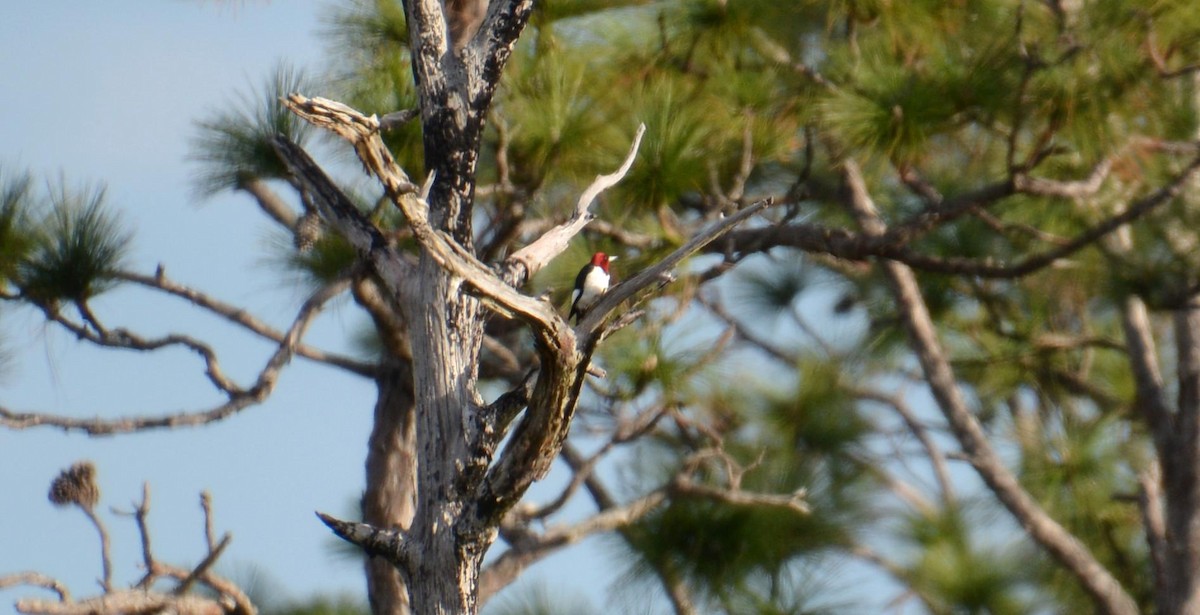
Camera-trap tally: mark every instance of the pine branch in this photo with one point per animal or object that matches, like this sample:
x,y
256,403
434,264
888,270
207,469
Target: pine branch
x,y
238,316
939,376
340,212
238,398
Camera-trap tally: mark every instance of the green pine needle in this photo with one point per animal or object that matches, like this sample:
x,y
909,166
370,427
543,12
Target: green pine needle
x,y
75,249
15,237
233,146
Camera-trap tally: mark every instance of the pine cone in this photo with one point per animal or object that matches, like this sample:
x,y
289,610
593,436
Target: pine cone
x,y
308,231
76,485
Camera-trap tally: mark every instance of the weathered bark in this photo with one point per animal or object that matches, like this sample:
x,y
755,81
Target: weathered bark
x,y
462,489
447,330
1180,465
389,498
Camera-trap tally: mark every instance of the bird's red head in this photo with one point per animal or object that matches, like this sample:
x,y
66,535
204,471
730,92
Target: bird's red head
x,y
601,259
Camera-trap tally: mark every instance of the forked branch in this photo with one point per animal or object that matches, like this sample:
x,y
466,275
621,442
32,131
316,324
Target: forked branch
x,y
533,257
223,597
238,398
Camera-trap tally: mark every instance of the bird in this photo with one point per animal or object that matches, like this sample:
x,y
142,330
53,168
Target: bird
x,y
591,282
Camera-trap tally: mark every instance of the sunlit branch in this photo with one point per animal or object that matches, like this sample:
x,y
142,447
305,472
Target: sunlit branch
x,y
533,257
36,579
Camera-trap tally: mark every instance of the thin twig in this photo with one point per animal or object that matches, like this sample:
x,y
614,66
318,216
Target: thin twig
x,y
36,579
105,548
239,398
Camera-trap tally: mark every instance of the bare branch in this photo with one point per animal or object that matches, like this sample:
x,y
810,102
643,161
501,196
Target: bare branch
x,y
397,119
105,548
141,598
209,533
1064,189
240,317
794,502
239,602
533,257
36,579
533,547
203,567
363,133
501,412
845,244
92,330
623,236
238,398
141,510
340,212
1150,503
270,203
389,544
125,601
1151,396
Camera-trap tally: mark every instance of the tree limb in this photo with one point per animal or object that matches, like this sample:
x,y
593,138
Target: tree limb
x,y
388,544
341,213
533,547
240,317
627,289
125,601
363,133
36,579
1150,396
238,398
270,202
1108,593
533,257
845,244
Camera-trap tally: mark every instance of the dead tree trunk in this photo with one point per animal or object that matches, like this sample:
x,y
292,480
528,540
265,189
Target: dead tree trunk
x,y
463,486
388,500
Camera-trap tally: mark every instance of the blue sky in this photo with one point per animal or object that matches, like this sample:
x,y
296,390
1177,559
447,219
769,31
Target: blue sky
x,y
110,92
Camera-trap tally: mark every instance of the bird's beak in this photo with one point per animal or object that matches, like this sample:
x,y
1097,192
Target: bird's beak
x,y
612,258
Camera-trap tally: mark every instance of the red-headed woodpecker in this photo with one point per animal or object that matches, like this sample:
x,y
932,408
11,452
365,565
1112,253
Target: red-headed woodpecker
x,y
591,282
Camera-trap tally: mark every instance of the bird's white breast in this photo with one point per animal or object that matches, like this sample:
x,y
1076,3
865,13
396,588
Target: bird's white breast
x,y
594,285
